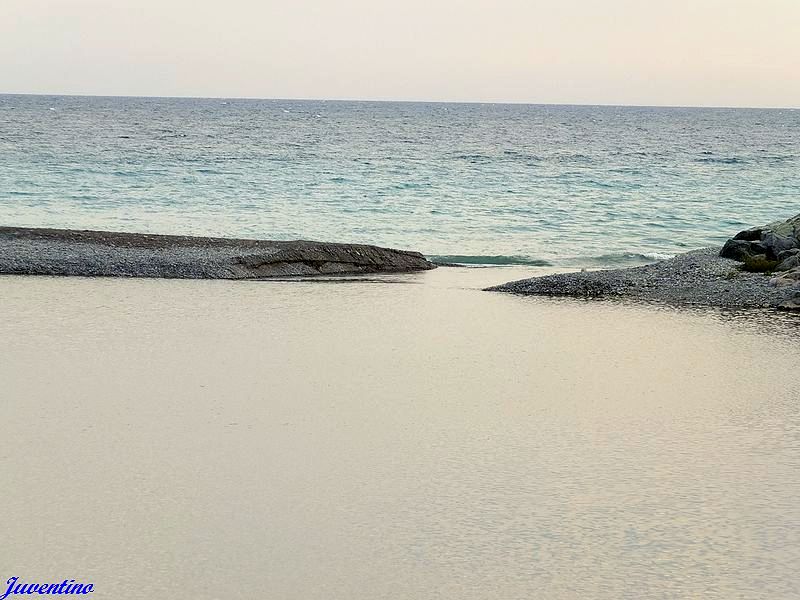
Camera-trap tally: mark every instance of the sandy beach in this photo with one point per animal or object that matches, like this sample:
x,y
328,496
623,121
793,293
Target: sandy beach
x,y
401,436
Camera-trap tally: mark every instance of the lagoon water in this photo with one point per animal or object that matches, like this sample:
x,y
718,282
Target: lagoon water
x,y
396,437
484,183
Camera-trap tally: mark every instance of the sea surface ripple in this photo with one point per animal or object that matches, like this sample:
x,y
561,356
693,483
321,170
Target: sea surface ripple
x,y
491,183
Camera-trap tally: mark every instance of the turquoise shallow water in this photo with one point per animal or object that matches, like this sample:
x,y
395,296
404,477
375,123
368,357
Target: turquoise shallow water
x,y
477,183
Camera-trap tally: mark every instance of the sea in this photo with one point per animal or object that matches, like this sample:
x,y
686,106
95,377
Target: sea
x,y
480,184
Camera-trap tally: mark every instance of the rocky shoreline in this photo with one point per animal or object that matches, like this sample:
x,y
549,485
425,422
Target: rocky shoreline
x,y
34,251
758,268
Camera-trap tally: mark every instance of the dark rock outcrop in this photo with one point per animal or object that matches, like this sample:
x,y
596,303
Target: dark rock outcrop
x,y
772,240
31,251
788,260
773,247
742,250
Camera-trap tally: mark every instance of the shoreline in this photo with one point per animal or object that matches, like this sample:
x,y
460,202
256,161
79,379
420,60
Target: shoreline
x,y
757,268
87,253
696,278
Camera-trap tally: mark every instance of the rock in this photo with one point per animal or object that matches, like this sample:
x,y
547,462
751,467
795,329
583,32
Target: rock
x,y
789,278
30,251
792,262
791,303
788,228
750,235
741,250
776,243
788,253
773,240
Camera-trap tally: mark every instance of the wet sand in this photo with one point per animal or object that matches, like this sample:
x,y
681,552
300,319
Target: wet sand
x,y
404,436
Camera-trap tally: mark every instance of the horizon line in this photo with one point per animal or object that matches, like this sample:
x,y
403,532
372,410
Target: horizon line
x,y
384,101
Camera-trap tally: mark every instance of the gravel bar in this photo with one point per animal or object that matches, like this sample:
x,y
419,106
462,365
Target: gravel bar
x,y
697,278
33,251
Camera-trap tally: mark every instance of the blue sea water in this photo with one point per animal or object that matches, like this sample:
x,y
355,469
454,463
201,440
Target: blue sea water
x,y
472,183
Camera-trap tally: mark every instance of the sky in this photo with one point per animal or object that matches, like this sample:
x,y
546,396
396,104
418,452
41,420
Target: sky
x,y
640,52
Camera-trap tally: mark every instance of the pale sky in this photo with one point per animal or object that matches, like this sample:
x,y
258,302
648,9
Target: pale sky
x,y
652,52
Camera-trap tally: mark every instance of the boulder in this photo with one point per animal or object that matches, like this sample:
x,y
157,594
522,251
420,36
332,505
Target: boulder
x,y
787,253
789,263
741,250
749,235
774,240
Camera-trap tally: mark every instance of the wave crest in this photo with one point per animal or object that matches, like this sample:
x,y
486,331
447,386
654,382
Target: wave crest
x,y
485,260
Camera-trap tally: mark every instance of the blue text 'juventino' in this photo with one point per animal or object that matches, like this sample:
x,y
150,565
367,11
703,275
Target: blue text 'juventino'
x,y
68,586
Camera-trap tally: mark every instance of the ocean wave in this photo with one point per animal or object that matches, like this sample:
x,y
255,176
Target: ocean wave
x,y
498,260
714,160
411,185
522,157
657,255
623,258
473,158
